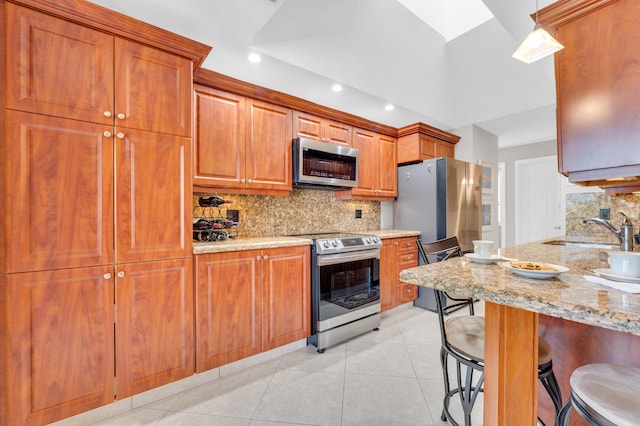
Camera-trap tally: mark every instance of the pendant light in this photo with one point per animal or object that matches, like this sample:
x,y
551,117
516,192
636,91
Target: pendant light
x,y
537,45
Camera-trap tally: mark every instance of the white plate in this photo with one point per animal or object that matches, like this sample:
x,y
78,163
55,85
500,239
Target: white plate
x,y
606,273
483,260
538,275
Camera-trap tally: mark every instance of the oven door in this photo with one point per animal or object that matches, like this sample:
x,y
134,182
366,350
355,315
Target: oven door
x,y
347,288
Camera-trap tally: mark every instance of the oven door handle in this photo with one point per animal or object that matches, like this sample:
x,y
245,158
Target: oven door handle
x,y
333,259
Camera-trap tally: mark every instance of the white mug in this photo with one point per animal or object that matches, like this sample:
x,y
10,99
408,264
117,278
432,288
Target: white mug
x,y
624,263
483,248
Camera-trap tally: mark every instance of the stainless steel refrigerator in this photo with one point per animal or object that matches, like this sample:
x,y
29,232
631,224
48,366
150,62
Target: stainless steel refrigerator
x,y
440,198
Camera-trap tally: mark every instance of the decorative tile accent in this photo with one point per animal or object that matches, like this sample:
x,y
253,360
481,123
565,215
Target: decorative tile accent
x,y
303,211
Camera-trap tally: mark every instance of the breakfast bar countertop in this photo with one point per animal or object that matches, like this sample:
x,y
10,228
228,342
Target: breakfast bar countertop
x,y
568,296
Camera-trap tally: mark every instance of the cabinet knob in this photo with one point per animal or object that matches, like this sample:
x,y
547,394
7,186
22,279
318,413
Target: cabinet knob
x,y
107,114
242,180
120,135
121,116
107,276
258,257
107,134
120,274
249,181
266,257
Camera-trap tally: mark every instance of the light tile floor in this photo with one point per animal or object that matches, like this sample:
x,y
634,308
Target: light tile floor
x,y
386,377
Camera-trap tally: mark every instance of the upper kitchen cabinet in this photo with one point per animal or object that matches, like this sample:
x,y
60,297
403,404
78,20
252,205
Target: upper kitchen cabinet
x,y
102,79
598,87
420,141
242,145
314,127
377,167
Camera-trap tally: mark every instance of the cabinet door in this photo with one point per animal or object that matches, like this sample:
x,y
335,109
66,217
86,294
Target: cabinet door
x,y
227,308
59,329
366,144
597,82
59,204
219,145
153,196
154,324
58,68
286,290
338,133
388,271
387,167
269,140
153,89
308,126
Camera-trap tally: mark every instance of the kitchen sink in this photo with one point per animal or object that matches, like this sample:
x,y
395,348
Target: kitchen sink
x,y
583,244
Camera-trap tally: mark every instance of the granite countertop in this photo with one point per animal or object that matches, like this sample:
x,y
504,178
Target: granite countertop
x,y
284,241
567,296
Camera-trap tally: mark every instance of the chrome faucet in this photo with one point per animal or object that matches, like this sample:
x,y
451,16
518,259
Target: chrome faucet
x,y
624,235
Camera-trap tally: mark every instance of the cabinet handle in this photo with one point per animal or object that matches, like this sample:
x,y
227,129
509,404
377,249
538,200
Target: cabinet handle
x,y
107,276
107,134
266,257
120,135
120,274
242,180
249,181
107,114
121,116
258,257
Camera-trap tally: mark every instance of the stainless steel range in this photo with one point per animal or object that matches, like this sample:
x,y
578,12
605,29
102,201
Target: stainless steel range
x,y
345,287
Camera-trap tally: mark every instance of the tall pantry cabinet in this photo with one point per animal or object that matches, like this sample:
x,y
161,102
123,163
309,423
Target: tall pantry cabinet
x,y
96,193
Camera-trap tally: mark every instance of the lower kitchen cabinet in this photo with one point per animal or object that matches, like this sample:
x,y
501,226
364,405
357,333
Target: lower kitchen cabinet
x,y
250,301
154,324
397,254
60,343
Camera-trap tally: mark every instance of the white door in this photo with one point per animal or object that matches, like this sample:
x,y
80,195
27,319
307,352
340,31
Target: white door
x,y
538,204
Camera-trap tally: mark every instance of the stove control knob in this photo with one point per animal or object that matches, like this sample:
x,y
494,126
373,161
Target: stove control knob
x,y
334,243
368,240
376,239
325,244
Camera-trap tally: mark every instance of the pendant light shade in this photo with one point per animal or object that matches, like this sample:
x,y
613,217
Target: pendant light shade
x,y
537,45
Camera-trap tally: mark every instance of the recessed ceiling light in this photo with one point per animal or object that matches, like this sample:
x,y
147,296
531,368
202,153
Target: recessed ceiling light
x,y
336,87
254,57
389,107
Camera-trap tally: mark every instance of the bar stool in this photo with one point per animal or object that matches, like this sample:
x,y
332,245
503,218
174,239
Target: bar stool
x,y
604,395
463,340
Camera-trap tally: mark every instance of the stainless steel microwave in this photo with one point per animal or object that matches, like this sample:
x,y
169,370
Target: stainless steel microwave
x,y
324,165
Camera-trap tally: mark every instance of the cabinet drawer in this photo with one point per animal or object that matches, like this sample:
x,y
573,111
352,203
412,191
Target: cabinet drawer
x,y
407,245
407,292
408,260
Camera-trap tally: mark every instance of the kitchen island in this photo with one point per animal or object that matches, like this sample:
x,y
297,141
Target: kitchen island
x,y
515,306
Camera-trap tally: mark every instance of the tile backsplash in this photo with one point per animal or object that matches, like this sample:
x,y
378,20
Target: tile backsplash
x,y
303,211
581,206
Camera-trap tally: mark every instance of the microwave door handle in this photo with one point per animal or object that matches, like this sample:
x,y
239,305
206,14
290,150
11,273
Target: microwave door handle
x,y
333,259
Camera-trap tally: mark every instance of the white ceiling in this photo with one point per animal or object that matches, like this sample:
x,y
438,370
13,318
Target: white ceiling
x,y
381,51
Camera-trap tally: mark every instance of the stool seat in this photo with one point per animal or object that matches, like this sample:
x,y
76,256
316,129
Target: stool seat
x,y
466,334
611,392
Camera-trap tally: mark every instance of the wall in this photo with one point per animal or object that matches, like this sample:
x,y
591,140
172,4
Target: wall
x,y
479,146
509,156
303,211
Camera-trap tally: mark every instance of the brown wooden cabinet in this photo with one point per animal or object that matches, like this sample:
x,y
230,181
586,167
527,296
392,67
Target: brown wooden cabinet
x,y
250,301
397,254
377,167
96,150
598,86
154,324
59,342
102,79
242,145
420,141
322,129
